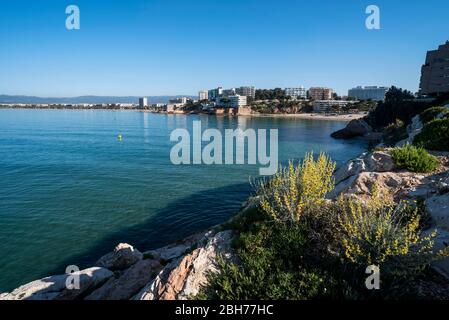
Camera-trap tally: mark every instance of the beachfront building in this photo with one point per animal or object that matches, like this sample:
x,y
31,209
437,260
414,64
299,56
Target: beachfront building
x,y
214,94
180,100
321,93
321,106
172,106
203,95
296,93
368,93
247,91
217,93
143,102
175,104
435,71
237,101
228,92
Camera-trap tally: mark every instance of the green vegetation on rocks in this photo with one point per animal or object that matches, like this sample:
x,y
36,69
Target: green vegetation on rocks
x,y
415,159
433,113
294,247
434,135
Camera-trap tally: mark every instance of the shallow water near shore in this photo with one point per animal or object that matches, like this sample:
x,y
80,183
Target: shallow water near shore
x,y
70,191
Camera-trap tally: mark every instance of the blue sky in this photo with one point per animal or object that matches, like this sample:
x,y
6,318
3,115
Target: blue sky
x,y
159,47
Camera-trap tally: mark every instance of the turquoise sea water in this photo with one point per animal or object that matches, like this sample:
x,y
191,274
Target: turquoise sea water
x,y
70,191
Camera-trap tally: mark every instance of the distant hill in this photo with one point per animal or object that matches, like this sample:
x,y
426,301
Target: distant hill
x,y
86,99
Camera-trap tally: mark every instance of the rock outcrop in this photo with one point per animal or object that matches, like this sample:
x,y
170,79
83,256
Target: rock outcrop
x,y
55,287
357,177
184,276
123,256
348,176
413,129
125,285
355,128
438,208
176,271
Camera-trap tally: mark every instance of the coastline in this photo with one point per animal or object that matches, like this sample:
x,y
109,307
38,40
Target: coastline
x,y
305,116
314,116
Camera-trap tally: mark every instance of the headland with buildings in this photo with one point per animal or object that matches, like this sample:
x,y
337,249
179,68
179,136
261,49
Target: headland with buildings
x,y
315,102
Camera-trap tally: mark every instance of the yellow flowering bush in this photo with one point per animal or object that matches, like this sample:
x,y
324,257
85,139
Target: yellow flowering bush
x,y
294,189
385,234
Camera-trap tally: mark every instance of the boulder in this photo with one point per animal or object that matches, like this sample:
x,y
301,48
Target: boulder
x,y
438,208
350,168
176,250
346,175
380,161
355,128
123,256
54,287
385,181
126,285
184,276
395,185
441,241
443,184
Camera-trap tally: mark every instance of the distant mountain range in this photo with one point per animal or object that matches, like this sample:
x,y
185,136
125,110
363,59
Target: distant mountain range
x,y
86,99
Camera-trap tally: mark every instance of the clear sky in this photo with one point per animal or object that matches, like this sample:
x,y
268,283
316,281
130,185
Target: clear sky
x,y
165,47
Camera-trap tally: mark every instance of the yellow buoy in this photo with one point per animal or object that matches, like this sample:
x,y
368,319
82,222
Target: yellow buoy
x,y
119,137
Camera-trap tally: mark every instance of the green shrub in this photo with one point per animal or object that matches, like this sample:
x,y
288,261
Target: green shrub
x,y
395,132
270,257
432,113
414,159
244,220
434,135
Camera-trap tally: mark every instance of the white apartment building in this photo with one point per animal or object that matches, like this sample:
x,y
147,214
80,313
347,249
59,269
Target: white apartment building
x,y
368,93
237,101
326,105
214,94
143,102
181,100
229,92
247,91
296,93
203,95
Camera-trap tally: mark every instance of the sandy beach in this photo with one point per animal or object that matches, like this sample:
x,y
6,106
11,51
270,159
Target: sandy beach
x,y
310,116
314,116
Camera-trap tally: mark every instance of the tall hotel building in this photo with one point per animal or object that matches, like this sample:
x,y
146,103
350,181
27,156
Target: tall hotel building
x,y
203,95
435,72
214,94
296,93
143,102
320,93
368,93
248,91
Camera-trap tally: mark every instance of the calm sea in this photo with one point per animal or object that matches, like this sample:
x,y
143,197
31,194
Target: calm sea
x,y
70,191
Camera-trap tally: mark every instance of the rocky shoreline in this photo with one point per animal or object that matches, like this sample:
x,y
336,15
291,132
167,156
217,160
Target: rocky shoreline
x,y
173,272
179,271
